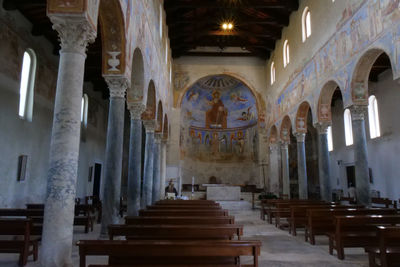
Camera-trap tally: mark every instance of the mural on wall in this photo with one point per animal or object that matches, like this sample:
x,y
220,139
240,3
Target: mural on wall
x,y
219,121
362,23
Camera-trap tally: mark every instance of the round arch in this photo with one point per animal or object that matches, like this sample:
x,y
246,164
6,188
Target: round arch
x,y
324,113
137,88
273,135
285,129
150,112
113,40
159,127
165,127
301,117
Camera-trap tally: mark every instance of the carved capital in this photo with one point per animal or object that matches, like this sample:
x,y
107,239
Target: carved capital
x,y
301,137
74,33
284,144
136,109
117,86
273,148
322,127
149,125
158,138
358,112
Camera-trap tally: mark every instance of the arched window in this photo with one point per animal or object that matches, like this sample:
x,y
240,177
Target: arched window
x,y
84,110
166,51
330,139
286,57
373,115
26,89
170,73
348,128
306,24
272,73
161,22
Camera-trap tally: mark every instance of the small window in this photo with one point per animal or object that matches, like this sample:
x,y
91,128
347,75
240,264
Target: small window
x,y
170,73
26,89
272,73
348,128
84,110
286,56
306,24
373,116
330,139
166,52
161,22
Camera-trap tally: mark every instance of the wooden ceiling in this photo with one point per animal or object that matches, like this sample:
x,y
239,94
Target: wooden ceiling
x,y
197,23
35,12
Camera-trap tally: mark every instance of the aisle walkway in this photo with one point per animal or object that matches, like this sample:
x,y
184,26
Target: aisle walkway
x,y
279,249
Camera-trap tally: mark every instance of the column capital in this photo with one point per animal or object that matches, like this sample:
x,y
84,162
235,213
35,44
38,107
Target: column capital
x,y
149,125
117,86
74,33
284,144
158,136
322,127
273,147
300,137
136,109
358,112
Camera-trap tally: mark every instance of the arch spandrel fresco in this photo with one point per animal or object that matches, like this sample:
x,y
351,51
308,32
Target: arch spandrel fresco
x,y
219,121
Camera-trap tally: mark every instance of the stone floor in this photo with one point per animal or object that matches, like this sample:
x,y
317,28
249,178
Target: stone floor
x,y
279,249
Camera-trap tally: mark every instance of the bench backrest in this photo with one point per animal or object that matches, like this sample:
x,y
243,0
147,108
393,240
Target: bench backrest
x,y
21,212
183,212
360,223
172,207
179,220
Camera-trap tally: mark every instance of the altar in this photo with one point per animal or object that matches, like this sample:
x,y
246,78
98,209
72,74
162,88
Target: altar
x,y
222,192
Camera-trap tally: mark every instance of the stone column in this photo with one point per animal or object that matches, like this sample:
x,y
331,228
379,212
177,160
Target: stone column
x,y
285,168
156,167
64,145
360,154
163,171
135,158
148,163
301,165
114,146
324,162
274,166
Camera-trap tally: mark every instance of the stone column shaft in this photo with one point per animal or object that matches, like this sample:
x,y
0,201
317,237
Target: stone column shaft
x,y
135,159
163,170
114,146
156,168
274,166
361,155
301,165
148,164
285,169
64,146
324,163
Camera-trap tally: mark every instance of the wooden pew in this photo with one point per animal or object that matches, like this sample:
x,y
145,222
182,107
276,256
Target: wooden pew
x,y
176,232
187,202
357,231
183,212
387,203
21,212
174,253
321,221
176,207
95,202
180,220
387,249
18,227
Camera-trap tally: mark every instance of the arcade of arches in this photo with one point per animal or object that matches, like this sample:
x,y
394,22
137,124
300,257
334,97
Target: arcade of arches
x,y
116,98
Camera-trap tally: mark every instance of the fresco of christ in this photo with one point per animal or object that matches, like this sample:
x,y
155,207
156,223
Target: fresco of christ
x,y
216,117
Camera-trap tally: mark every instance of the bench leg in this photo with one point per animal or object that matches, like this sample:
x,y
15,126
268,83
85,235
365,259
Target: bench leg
x,y
371,259
312,239
340,251
35,251
330,244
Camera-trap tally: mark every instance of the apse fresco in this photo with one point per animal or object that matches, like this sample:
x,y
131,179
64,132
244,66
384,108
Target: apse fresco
x,y
219,121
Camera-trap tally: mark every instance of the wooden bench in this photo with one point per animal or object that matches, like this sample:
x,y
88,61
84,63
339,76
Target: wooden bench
x,y
383,202
357,231
180,220
176,207
176,232
320,221
187,202
387,249
21,212
95,202
183,212
18,227
175,253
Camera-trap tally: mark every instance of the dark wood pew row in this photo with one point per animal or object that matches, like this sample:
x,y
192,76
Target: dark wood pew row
x,y
187,202
21,212
25,246
176,232
175,207
383,202
298,214
387,249
172,253
321,221
183,212
179,220
357,231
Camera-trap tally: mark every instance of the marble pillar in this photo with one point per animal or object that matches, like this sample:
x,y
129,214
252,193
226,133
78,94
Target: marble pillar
x,y
324,162
285,168
114,146
363,192
64,146
274,166
163,171
301,165
148,164
156,167
135,159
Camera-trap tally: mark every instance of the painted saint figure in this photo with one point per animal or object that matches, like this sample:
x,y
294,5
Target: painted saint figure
x,y
216,117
